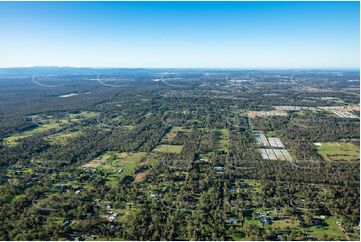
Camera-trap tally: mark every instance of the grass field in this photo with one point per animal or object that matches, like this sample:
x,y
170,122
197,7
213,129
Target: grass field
x,y
223,140
339,151
52,124
331,230
93,164
116,164
83,115
175,149
169,137
13,140
127,161
286,223
270,134
62,138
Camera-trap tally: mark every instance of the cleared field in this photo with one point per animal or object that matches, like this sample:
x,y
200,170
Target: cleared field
x,y
111,160
330,230
49,125
287,155
83,115
223,139
261,139
93,164
169,137
286,223
13,140
119,165
62,138
175,149
129,127
339,151
125,160
116,165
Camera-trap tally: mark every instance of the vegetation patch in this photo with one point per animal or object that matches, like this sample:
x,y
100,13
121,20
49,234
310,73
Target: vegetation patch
x,y
169,137
83,115
93,164
129,127
116,165
223,140
14,139
286,223
328,230
62,138
339,151
175,149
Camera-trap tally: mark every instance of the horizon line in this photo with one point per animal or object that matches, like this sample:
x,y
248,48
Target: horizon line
x,y
229,68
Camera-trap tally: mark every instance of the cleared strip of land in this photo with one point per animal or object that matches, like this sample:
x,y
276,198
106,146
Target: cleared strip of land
x,y
271,154
223,139
279,154
286,155
175,149
264,154
261,139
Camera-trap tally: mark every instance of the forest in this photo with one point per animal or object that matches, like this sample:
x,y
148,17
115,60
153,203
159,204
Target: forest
x,y
173,154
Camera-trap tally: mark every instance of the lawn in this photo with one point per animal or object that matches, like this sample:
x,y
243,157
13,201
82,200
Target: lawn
x,y
174,149
339,151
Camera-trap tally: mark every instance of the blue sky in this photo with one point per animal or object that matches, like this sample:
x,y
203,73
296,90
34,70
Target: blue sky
x,y
180,34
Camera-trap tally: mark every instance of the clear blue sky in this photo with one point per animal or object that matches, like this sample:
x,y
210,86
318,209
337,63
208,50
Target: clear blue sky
x,y
180,34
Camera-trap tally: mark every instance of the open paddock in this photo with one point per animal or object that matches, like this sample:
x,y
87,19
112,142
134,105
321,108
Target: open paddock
x,y
169,137
173,149
14,139
338,151
62,138
223,139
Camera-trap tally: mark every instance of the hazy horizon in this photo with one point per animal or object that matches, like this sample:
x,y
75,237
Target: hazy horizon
x,y
185,68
